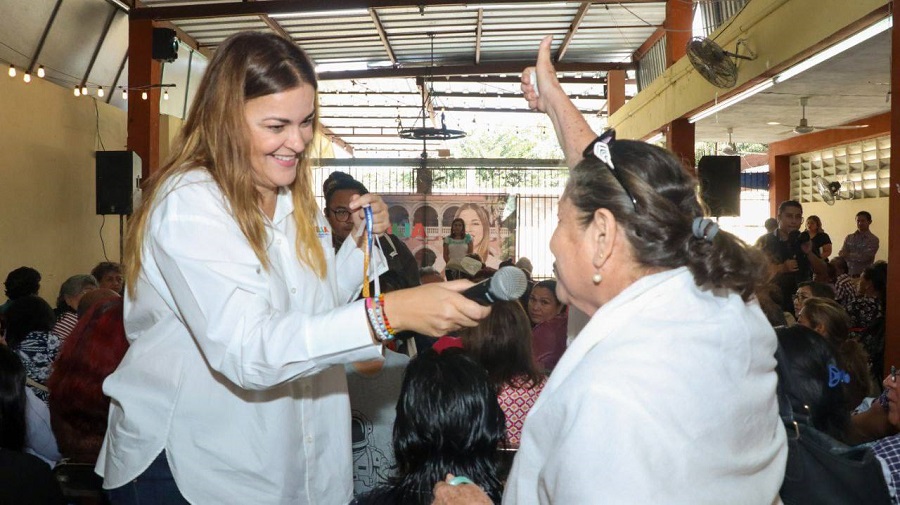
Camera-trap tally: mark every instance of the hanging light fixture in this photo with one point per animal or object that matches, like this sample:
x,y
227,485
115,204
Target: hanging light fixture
x,y
425,133
12,70
124,94
27,77
77,90
100,91
143,95
84,90
41,73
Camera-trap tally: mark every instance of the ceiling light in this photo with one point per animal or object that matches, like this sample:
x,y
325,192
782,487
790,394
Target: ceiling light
x,y
728,102
41,72
143,95
124,94
27,77
166,95
12,70
836,49
773,123
77,91
84,90
100,92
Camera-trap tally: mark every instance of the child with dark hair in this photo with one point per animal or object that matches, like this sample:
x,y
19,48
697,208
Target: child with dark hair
x,y
501,343
23,478
448,421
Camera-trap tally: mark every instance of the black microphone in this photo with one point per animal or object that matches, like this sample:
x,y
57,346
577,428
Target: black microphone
x,y
507,284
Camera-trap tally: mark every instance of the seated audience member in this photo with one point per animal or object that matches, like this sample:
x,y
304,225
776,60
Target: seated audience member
x,y
465,268
812,362
429,275
448,421
831,321
870,296
502,345
29,321
24,478
373,387
109,275
23,281
888,448
78,407
92,297
809,289
844,287
70,293
525,265
549,323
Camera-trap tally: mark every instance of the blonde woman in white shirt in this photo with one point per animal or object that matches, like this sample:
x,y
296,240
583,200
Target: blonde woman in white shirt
x,y
668,394
238,308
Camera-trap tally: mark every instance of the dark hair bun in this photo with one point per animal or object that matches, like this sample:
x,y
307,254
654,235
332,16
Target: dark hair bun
x,y
341,180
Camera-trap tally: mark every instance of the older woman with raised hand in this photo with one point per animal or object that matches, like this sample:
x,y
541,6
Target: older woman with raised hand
x,y
239,311
668,394
70,293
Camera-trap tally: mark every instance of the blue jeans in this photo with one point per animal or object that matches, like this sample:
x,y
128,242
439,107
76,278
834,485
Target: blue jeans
x,y
155,486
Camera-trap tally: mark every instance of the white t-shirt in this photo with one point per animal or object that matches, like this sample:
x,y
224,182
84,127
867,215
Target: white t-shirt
x,y
231,367
666,396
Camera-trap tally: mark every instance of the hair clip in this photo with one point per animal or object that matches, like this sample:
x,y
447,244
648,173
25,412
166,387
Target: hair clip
x,y
837,376
704,228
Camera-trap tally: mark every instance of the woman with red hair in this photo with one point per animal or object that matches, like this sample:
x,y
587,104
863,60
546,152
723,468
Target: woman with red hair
x,y
78,407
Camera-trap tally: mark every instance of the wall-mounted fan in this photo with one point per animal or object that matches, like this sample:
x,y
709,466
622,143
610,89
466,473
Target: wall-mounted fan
x,y
715,64
805,127
831,191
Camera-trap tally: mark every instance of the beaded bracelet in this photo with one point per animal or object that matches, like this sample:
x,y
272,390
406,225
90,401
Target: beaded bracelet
x,y
376,321
387,324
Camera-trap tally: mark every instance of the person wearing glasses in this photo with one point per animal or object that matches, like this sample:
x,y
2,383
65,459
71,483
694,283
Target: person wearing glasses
x,y
239,313
340,189
672,380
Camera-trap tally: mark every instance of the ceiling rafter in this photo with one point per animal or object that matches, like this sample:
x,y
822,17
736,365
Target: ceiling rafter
x,y
196,11
576,22
506,67
478,28
40,46
103,34
336,139
384,37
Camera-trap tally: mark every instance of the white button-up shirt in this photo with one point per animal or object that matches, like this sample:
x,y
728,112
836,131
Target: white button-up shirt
x,y
231,367
666,396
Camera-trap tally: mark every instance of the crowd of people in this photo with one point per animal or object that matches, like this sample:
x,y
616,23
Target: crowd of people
x,y
267,351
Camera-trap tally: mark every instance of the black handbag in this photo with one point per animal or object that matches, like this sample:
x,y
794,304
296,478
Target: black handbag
x,y
820,469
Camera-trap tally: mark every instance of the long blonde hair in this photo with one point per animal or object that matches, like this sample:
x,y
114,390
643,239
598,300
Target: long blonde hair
x,y
215,138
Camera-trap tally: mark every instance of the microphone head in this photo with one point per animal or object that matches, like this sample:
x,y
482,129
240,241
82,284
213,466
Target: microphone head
x,y
509,283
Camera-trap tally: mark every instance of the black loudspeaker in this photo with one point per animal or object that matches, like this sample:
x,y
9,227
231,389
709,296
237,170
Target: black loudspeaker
x,y
165,44
118,181
720,184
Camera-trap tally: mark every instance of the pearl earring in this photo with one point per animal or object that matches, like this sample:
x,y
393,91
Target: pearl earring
x,y
597,278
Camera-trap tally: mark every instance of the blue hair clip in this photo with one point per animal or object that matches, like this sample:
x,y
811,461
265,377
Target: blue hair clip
x,y
837,376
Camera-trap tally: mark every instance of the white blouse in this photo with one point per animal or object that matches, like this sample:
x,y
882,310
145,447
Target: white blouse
x,y
666,396
232,367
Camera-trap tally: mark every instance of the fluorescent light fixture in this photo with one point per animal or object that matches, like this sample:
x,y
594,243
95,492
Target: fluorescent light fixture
x,y
836,49
728,102
342,66
654,139
497,7
321,14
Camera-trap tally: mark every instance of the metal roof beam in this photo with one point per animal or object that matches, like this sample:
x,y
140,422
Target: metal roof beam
x,y
197,11
506,67
383,34
40,46
478,28
343,144
103,34
576,22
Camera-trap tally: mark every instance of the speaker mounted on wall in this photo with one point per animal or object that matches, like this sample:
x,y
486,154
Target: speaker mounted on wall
x,y
118,182
165,45
720,184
